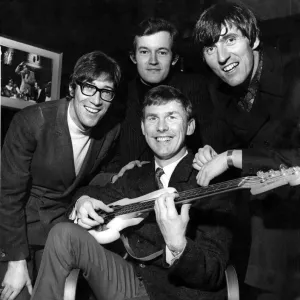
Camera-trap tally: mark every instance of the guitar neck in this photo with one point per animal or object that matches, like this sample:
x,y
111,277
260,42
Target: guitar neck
x,y
184,196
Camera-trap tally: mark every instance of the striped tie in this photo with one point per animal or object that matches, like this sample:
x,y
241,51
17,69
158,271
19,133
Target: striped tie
x,y
158,173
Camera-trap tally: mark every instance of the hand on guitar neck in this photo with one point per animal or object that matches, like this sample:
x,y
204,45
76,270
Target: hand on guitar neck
x,y
111,219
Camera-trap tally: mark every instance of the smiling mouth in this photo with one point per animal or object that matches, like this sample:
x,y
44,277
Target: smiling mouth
x,y
92,110
163,139
230,68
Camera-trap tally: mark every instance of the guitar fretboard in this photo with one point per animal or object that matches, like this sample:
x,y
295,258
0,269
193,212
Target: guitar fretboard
x,y
184,196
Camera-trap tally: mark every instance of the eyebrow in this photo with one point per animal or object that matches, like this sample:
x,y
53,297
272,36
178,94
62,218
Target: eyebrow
x,y
161,48
106,87
166,115
227,35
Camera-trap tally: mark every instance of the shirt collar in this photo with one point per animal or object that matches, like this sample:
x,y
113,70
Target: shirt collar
x,y
169,169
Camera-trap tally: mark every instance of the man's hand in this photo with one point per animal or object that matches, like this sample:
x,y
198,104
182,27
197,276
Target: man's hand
x,y
16,277
129,166
172,225
86,211
204,155
212,169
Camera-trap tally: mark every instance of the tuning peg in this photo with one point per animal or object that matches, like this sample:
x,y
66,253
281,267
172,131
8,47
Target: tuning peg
x,y
262,175
283,167
271,173
296,170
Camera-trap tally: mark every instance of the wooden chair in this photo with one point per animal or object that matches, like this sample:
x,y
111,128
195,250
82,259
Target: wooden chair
x,y
230,275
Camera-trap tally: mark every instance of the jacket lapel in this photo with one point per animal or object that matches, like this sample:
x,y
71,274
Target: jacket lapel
x,y
64,144
91,156
269,96
182,172
149,185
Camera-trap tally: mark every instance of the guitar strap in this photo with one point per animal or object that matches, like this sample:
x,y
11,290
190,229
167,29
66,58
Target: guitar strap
x,y
132,254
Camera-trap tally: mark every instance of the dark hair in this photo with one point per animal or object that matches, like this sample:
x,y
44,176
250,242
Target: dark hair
x,y
91,66
208,28
163,94
154,25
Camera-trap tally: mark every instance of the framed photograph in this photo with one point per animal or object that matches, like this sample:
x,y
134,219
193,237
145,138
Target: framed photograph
x,y
29,74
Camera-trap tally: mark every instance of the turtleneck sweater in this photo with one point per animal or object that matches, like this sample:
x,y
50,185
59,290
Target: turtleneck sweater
x,y
80,142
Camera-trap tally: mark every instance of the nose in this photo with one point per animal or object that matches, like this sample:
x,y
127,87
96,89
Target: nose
x,y
162,126
153,59
96,99
223,54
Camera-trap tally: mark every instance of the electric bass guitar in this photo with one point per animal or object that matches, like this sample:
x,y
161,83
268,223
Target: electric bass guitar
x,y
129,212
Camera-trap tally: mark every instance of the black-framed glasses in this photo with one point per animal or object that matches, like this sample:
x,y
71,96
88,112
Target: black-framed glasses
x,y
88,89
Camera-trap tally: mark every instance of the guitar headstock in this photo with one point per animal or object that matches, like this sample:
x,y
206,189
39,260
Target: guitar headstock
x,y
272,179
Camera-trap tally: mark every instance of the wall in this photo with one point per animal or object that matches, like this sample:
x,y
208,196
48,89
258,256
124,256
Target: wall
x,y
272,9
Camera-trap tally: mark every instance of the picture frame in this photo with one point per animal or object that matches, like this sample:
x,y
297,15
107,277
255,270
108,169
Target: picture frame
x,y
29,74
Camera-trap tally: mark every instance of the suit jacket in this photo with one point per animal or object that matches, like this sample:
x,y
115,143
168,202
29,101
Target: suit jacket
x,y
132,144
38,175
199,272
269,136
258,132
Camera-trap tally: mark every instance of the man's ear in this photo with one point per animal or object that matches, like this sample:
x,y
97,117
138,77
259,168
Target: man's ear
x,y
175,59
256,43
191,127
71,91
132,57
143,127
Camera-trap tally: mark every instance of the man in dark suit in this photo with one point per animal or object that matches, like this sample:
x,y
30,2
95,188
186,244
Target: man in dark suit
x,y
155,54
50,150
255,114
174,254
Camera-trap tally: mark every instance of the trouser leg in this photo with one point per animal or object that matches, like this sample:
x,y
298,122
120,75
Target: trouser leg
x,y
69,246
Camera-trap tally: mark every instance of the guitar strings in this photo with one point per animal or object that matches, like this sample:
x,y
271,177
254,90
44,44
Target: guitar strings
x,y
197,193
148,204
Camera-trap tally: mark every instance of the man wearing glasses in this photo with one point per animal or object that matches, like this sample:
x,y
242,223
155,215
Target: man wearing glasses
x,y
51,149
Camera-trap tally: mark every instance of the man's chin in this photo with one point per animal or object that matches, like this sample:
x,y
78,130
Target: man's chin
x,y
163,156
152,81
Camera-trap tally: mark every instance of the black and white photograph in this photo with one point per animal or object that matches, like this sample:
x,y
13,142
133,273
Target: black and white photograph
x,y
150,150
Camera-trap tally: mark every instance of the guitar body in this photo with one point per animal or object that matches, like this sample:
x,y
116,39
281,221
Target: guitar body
x,y
110,232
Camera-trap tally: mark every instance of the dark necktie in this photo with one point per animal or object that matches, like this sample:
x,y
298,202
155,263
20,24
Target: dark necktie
x,y
158,173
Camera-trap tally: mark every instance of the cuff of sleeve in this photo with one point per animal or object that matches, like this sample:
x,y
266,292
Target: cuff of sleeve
x,y
73,214
13,253
257,160
172,256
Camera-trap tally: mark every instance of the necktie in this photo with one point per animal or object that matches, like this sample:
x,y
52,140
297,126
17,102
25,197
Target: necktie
x,y
158,173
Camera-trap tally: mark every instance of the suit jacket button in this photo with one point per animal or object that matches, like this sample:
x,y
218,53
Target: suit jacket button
x,y
2,254
142,266
267,143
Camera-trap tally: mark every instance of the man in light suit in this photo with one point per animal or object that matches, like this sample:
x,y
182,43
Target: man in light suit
x,y
50,150
195,241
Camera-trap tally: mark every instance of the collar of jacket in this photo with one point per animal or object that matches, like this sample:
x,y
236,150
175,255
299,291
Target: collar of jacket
x,y
181,173
271,80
